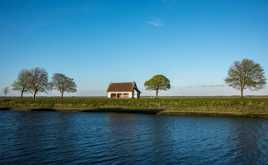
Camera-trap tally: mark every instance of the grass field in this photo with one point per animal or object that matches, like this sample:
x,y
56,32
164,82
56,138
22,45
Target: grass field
x,y
231,106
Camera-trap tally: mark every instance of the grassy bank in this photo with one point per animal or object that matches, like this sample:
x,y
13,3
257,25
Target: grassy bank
x,y
213,106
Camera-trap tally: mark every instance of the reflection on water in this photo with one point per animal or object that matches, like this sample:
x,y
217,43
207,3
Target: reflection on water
x,y
105,138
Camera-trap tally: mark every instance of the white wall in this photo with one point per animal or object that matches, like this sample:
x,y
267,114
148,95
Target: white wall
x,y
129,94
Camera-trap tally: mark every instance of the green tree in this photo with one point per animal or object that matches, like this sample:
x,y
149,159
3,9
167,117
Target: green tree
x,y
63,84
38,81
246,74
22,82
157,83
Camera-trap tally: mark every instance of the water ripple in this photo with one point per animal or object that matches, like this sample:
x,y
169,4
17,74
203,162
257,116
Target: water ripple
x,y
99,138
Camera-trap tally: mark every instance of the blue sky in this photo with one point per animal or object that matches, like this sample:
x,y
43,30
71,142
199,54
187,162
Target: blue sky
x,y
192,42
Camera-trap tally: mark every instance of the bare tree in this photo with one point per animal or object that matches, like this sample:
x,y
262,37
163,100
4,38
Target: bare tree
x,y
38,81
246,74
23,81
63,84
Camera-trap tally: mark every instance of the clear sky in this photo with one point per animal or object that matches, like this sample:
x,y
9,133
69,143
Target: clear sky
x,y
192,42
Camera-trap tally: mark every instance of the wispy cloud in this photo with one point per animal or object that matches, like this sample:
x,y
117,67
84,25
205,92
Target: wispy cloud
x,y
155,22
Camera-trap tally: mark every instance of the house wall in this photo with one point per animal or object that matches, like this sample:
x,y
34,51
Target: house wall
x,y
109,94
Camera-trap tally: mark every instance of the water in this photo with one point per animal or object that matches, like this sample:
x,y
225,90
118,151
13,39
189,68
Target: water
x,y
109,138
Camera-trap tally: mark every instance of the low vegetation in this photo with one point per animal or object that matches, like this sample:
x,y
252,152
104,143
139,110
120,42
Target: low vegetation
x,y
249,106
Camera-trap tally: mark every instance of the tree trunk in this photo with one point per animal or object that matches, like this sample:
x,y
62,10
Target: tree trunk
x,y
21,94
242,93
62,95
156,92
35,92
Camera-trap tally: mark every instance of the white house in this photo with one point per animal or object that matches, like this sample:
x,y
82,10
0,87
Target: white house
x,y
123,90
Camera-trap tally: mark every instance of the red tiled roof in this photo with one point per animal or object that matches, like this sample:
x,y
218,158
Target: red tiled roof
x,y
122,87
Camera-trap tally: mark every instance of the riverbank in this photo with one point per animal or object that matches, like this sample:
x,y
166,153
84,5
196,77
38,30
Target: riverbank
x,y
208,106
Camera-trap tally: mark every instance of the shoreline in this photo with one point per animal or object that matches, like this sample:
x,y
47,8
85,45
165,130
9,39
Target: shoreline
x,y
106,109
160,112
216,114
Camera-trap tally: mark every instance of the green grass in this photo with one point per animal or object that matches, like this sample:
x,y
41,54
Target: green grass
x,y
250,106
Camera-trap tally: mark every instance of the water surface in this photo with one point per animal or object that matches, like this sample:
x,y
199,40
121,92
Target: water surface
x,y
110,138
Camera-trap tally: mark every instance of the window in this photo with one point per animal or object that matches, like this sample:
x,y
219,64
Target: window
x,y
113,95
